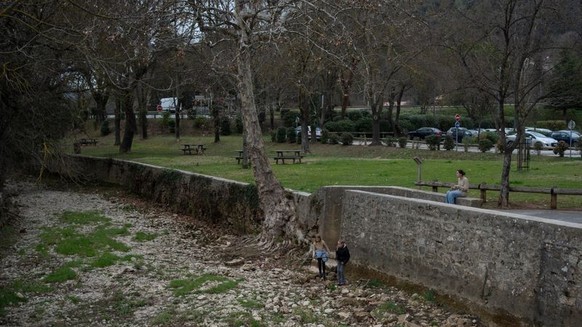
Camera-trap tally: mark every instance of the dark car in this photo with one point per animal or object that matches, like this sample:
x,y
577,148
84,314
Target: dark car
x,y
423,132
564,135
457,133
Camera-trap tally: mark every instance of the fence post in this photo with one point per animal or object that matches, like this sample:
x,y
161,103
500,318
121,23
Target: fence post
x,y
435,187
483,192
553,199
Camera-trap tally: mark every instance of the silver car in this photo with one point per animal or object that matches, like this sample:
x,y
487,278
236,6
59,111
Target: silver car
x,y
533,138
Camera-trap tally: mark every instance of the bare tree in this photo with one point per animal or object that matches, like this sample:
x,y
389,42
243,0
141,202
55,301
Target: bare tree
x,y
245,24
502,51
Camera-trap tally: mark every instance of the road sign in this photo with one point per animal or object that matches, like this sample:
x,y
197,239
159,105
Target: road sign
x,y
571,124
457,124
457,117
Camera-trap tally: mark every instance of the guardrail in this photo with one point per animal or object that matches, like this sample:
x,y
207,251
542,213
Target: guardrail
x,y
484,187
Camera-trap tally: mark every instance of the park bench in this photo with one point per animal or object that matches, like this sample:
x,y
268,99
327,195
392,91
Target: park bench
x,y
294,155
193,149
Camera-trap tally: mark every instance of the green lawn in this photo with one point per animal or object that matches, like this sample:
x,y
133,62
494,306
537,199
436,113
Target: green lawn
x,y
357,165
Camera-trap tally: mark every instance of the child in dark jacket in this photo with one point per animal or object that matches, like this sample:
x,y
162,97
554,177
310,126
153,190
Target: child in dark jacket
x,y
342,255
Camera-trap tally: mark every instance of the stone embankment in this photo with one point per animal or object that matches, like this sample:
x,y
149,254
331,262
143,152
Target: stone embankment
x,y
231,282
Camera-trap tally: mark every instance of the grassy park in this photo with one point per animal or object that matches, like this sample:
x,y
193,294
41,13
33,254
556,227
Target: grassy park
x,y
359,165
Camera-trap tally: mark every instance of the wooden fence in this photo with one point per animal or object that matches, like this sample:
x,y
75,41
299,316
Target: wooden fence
x,y
483,188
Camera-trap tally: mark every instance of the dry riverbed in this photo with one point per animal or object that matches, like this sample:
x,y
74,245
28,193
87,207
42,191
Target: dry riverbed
x,y
103,258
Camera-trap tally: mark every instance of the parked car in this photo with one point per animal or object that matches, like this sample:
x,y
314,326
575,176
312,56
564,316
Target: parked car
x,y
317,132
461,131
423,132
543,131
472,132
533,138
564,135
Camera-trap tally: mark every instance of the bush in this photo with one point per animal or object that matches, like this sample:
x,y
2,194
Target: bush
x,y
392,141
485,145
105,130
340,126
554,125
354,115
333,139
200,122
347,138
433,142
281,135
324,139
449,143
402,141
363,125
291,135
560,148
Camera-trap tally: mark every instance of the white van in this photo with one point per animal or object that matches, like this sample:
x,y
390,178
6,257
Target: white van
x,y
169,104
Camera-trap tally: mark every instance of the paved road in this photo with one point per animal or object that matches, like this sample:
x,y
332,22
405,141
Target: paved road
x,y
460,148
572,216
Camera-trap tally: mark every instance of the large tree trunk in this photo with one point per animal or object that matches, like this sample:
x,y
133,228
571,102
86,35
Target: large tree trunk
x,y
503,200
101,103
279,210
117,120
130,124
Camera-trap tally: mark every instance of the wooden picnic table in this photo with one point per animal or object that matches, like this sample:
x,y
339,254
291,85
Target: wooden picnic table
x,y
295,155
193,148
240,156
88,141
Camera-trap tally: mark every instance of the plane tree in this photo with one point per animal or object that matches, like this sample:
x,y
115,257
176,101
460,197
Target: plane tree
x,y
245,25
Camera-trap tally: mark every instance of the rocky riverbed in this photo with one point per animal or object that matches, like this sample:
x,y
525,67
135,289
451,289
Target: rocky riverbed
x,y
104,258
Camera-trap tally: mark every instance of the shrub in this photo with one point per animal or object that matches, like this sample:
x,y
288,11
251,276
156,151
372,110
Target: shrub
x,y
341,126
281,135
347,138
485,145
433,142
554,125
449,143
105,130
354,115
324,139
363,125
391,141
560,148
200,122
291,135
333,139
402,141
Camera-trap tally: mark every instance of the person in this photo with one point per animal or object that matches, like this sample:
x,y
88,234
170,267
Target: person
x,y
321,253
342,255
458,190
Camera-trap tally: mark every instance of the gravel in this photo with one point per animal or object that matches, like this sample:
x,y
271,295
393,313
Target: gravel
x,y
232,282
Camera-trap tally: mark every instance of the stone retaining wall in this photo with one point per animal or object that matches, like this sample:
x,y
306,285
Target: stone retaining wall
x,y
508,264
515,265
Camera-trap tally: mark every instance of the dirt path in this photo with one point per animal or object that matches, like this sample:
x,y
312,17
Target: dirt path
x,y
137,265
